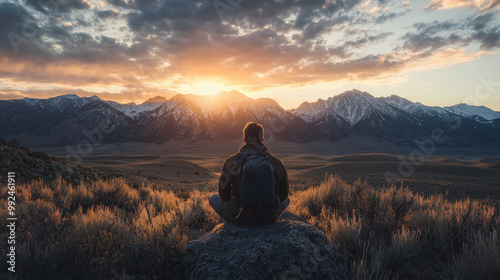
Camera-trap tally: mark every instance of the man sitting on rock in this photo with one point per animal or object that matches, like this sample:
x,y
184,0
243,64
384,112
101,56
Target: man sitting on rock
x,y
253,185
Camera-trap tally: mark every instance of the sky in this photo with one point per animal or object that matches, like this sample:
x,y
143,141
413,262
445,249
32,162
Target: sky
x,y
437,52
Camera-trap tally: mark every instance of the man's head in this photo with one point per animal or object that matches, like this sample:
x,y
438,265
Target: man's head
x,y
253,133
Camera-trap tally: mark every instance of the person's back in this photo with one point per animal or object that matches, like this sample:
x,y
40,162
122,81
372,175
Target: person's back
x,y
253,186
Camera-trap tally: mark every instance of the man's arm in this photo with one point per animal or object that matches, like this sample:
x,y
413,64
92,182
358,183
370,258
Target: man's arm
x,y
229,169
283,184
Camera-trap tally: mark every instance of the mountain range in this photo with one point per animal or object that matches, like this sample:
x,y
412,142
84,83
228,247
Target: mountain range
x,y
68,119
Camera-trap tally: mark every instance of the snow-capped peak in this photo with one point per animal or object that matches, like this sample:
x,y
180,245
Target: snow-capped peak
x,y
470,111
352,106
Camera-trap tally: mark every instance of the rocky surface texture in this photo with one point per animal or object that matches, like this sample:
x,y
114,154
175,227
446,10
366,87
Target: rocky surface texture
x,y
288,249
31,165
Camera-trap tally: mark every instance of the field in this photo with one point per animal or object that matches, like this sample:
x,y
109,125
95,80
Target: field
x,y
473,173
113,230
441,222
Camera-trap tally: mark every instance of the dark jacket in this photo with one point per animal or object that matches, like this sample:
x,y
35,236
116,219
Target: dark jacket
x,y
228,188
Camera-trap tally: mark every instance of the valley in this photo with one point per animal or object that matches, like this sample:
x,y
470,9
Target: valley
x,y
177,165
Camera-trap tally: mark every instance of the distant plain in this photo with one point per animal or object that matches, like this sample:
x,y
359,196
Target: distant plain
x,y
457,172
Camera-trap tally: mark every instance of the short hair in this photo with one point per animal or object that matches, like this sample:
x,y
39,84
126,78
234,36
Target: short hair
x,y
253,132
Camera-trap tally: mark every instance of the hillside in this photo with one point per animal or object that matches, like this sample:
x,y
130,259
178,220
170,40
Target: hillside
x,y
33,165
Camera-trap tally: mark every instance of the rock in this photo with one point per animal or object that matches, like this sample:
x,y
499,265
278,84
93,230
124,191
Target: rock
x,y
23,155
15,143
288,249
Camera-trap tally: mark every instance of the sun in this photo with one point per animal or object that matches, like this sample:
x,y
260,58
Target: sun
x,y
207,87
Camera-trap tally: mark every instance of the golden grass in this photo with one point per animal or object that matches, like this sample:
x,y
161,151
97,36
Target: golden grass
x,y
392,233
113,230
105,230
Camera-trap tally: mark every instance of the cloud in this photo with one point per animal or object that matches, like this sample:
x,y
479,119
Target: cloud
x,y
482,5
12,20
7,95
65,6
107,13
366,39
481,29
142,46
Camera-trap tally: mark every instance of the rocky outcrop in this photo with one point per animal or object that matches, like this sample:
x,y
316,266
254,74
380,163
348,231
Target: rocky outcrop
x,y
32,165
288,249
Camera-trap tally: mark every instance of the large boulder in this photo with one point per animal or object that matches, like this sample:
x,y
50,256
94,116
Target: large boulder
x,y
288,249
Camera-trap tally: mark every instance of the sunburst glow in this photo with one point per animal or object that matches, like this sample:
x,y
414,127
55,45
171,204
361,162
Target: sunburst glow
x,y
207,87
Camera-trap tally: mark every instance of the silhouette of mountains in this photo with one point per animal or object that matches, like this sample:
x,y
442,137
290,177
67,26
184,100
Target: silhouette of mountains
x,y
71,119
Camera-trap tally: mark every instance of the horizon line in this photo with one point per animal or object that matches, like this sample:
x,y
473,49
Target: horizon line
x,y
239,92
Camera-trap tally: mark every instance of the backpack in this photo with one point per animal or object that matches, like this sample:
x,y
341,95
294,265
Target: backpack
x,y
256,180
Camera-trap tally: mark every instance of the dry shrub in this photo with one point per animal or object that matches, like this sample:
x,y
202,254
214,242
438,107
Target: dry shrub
x,y
158,199
109,229
95,220
115,193
370,266
81,197
404,235
196,212
406,242
105,230
480,258
39,221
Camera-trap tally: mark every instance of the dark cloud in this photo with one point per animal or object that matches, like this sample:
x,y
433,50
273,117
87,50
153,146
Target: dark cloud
x,y
482,21
254,43
107,14
435,35
313,18
367,39
424,41
119,3
50,6
12,20
19,32
386,17
489,38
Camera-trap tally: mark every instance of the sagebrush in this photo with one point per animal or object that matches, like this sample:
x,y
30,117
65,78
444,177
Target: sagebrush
x,y
114,230
392,233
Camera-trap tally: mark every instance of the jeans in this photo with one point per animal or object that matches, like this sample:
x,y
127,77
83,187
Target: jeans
x,y
222,207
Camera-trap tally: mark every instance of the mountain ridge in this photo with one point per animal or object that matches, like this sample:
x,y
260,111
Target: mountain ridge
x,y
65,119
